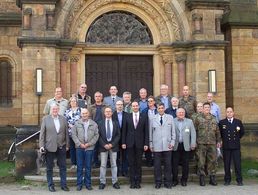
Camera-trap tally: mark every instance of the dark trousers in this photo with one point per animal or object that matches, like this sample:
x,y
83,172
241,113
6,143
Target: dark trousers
x,y
60,154
72,152
122,162
180,156
135,164
96,161
228,155
148,157
166,156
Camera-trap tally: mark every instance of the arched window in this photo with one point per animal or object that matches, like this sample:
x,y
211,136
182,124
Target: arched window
x,y
5,83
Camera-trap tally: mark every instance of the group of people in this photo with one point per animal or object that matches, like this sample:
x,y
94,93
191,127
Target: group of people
x,y
119,130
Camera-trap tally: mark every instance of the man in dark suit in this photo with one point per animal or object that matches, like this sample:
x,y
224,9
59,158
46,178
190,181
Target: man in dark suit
x,y
120,116
232,131
173,108
135,139
109,136
54,139
113,98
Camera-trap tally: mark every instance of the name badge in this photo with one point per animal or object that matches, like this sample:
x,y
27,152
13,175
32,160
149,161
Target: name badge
x,y
187,130
224,126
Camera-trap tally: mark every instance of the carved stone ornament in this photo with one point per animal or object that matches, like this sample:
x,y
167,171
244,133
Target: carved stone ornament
x,y
74,59
181,58
64,57
167,59
81,11
119,28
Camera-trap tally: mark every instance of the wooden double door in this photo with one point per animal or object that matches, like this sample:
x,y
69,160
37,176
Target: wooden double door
x,y
127,72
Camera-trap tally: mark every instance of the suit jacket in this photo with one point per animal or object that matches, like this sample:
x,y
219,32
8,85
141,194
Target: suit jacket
x,y
138,137
109,101
231,133
188,134
171,111
122,128
49,138
161,136
78,134
158,100
103,137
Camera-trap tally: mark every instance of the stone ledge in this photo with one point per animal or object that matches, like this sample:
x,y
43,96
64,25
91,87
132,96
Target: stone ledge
x,y
190,44
10,19
207,4
20,2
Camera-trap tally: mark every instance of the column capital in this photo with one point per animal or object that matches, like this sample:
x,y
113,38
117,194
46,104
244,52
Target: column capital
x,y
167,59
181,58
74,58
64,57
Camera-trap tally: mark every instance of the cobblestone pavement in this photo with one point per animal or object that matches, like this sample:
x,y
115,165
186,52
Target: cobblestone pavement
x,y
250,188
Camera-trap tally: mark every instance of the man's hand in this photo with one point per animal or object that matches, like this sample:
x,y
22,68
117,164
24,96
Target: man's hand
x,y
67,148
145,148
218,145
170,146
87,145
42,150
82,146
151,149
110,146
124,146
106,146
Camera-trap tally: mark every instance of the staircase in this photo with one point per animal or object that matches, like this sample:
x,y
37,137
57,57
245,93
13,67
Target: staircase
x,y
147,175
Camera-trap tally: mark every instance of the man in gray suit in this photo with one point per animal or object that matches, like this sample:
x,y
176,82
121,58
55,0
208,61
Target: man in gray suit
x,y
185,142
113,98
162,141
54,140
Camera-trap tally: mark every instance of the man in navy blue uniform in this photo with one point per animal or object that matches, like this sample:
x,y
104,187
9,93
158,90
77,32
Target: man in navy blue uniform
x,y
231,130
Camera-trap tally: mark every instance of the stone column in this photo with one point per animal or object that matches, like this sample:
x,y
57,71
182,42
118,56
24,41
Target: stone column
x,y
218,24
181,63
168,62
27,19
73,72
63,77
197,24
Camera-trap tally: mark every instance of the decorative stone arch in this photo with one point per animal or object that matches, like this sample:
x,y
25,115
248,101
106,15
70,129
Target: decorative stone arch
x,y
163,17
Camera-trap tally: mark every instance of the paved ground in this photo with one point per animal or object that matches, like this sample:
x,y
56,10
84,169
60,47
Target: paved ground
x,y
250,188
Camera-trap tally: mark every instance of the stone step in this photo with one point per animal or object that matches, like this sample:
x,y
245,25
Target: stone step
x,y
71,181
95,171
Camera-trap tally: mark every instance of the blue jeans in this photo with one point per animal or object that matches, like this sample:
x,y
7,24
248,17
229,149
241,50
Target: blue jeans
x,y
72,152
60,154
84,158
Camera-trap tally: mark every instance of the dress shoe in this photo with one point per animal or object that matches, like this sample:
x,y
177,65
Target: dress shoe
x,y
202,180
137,186
157,186
240,183
227,183
65,188
174,183
168,186
125,174
102,186
89,188
79,188
51,189
183,183
132,186
116,185
213,180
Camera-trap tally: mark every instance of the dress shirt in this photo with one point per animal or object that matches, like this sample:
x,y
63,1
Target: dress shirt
x,y
120,118
111,128
215,110
86,126
230,120
180,126
143,103
136,120
151,113
57,123
164,100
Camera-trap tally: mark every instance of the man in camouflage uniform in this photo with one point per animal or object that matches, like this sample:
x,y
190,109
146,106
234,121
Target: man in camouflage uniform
x,y
187,102
208,137
199,109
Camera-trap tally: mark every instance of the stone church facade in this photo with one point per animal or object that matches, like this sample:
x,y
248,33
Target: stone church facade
x,y
182,40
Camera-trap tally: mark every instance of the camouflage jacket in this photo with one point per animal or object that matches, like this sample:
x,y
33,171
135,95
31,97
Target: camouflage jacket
x,y
207,129
188,104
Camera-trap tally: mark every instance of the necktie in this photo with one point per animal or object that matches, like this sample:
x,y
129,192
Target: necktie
x,y
161,120
229,120
108,131
113,100
135,121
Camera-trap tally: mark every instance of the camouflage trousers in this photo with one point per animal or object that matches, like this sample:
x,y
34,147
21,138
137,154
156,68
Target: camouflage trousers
x,y
206,158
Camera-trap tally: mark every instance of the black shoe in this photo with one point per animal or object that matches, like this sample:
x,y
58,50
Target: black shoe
x,y
89,188
79,188
174,183
157,186
183,183
65,188
51,189
116,185
240,183
202,180
102,186
227,183
137,186
213,180
132,186
125,174
168,186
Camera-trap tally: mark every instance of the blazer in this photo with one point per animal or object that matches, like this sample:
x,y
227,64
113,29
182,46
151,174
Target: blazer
x,y
103,137
78,134
161,136
171,111
92,110
124,116
188,134
231,133
138,137
49,138
109,101
158,100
